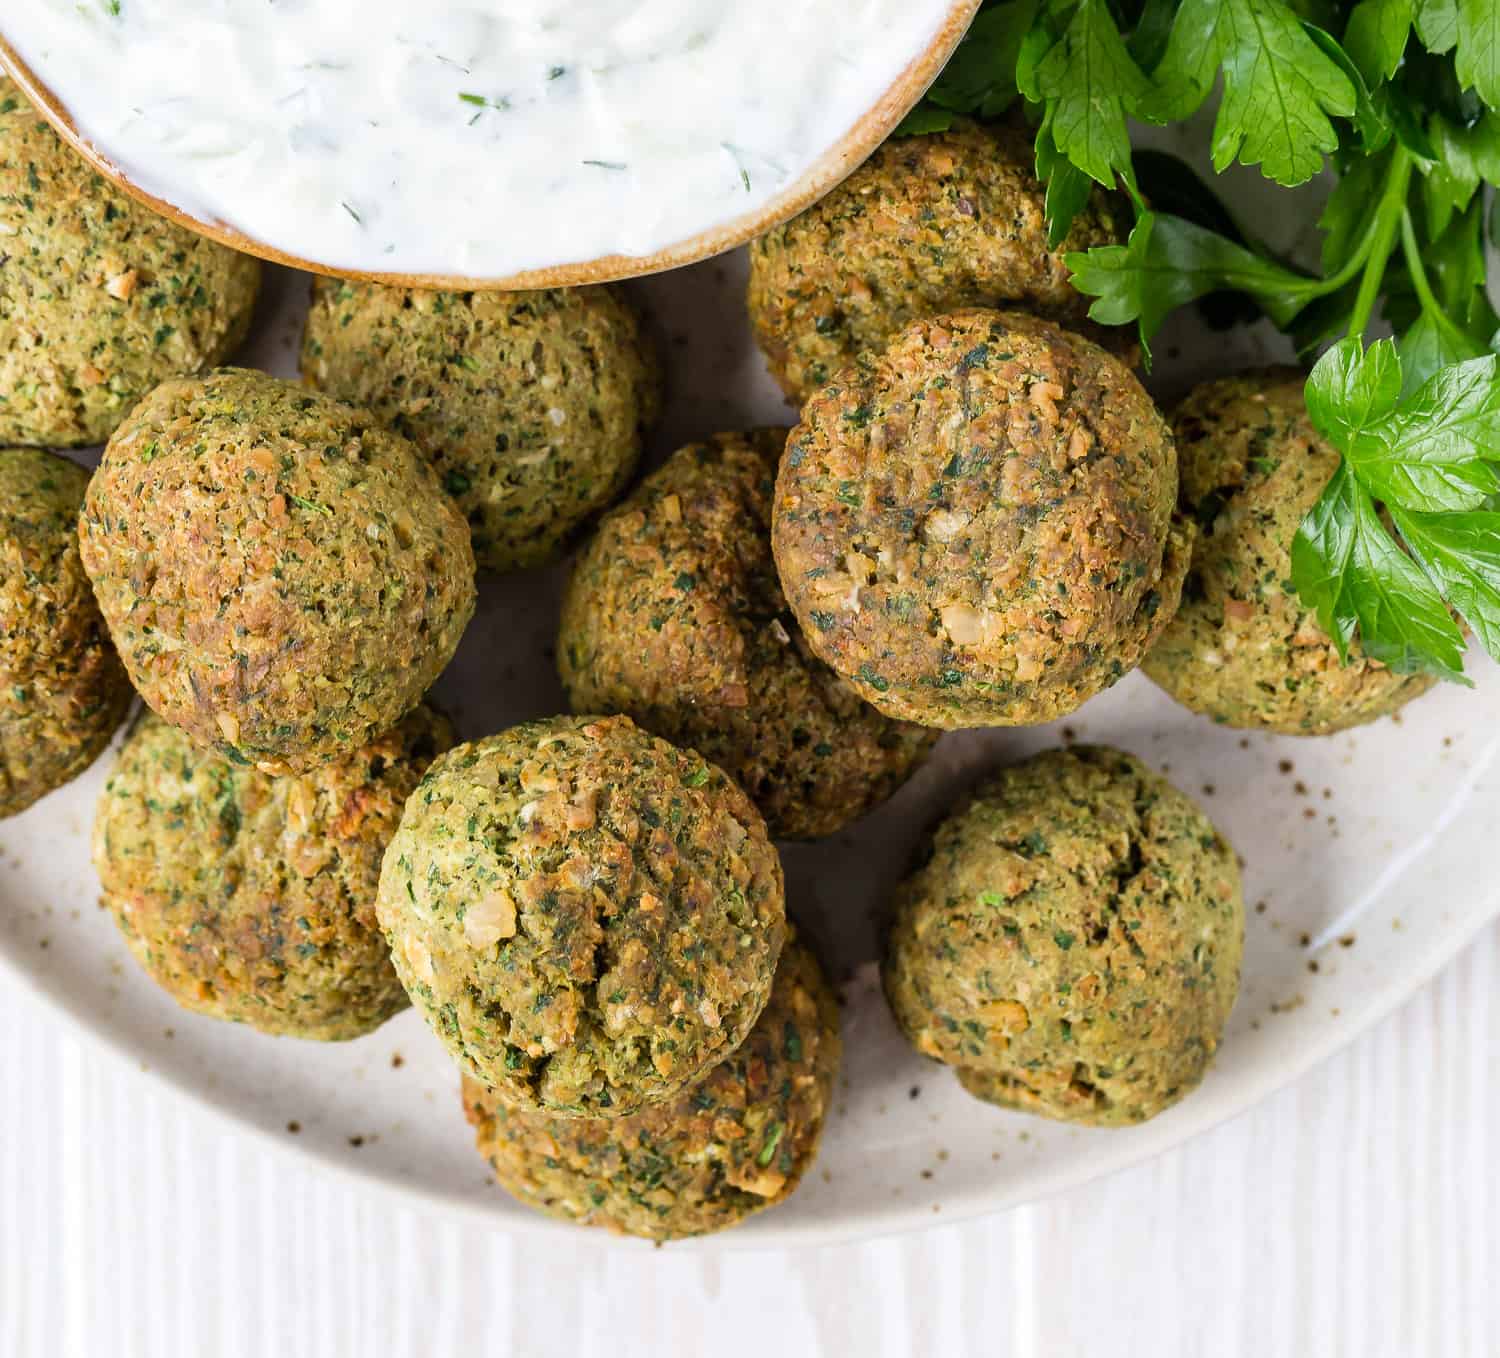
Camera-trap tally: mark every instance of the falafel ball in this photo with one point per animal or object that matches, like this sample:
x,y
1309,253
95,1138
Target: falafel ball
x,y
588,917
735,1144
102,299
976,527
252,898
1070,940
284,577
63,691
928,225
1243,648
531,405
674,615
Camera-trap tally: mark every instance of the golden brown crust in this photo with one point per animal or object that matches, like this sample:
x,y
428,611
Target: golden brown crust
x,y
928,225
976,527
675,616
283,577
63,691
736,1143
587,916
252,898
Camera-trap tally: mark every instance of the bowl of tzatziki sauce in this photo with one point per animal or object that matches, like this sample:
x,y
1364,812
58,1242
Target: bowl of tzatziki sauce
x,y
500,143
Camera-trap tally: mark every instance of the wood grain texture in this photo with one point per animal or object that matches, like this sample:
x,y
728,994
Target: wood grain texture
x,y
1355,1213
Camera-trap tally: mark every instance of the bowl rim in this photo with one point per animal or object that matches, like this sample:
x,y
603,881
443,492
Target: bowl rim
x,y
833,166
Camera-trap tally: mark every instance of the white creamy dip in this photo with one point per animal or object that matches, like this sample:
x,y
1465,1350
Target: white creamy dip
x,y
487,138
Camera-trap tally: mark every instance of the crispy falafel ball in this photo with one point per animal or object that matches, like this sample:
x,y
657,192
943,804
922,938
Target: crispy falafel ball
x,y
674,615
531,405
283,577
63,691
1243,648
588,917
102,299
1070,940
928,225
252,898
976,526
735,1144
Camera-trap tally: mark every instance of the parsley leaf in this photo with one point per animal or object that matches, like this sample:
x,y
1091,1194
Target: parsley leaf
x,y
981,77
1428,346
1169,261
1153,30
1437,24
1090,84
1426,452
1280,87
1433,452
1375,36
1428,457
1371,117
1351,390
1461,552
1478,48
1350,570
1068,188
1464,157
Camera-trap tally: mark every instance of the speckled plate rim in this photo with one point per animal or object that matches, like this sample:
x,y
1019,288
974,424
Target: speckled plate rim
x,y
830,169
1215,1102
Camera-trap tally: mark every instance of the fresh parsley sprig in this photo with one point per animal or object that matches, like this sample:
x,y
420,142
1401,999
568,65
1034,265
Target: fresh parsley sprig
x,y
1402,99
1429,458
1282,86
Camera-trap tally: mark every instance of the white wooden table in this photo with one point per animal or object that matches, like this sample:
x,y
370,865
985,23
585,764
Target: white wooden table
x,y
1357,1212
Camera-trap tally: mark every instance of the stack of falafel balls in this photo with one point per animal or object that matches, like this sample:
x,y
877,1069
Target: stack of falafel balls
x,y
978,520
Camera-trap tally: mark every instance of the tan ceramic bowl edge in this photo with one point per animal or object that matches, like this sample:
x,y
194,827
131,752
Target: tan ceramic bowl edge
x,y
832,167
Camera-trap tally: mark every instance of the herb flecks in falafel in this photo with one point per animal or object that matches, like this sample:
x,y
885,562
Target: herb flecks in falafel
x,y
976,527
1070,940
283,577
588,917
252,898
675,616
738,1142
531,406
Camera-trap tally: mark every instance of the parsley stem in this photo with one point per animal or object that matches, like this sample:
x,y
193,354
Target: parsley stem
x,y
1387,222
1412,253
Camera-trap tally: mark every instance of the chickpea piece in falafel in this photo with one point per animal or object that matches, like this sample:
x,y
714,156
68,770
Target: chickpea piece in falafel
x,y
674,615
976,526
588,917
1070,940
531,406
102,299
928,225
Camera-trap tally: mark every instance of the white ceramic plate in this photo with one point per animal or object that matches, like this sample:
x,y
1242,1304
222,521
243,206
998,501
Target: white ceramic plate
x,y
1367,865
